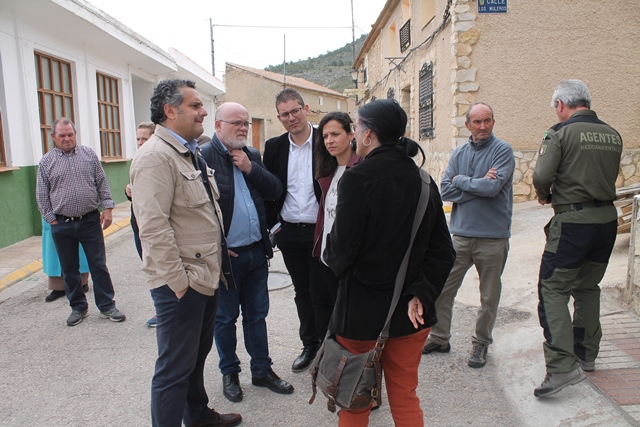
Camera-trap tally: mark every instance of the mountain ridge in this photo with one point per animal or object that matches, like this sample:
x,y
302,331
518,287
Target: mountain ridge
x,y
331,70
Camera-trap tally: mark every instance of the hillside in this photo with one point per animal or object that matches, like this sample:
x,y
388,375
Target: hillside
x,y
332,70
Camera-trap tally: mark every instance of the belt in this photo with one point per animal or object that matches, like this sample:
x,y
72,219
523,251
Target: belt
x,y
579,206
62,218
244,248
298,224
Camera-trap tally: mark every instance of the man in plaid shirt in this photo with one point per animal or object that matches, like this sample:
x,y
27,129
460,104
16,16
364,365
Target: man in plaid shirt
x,y
71,186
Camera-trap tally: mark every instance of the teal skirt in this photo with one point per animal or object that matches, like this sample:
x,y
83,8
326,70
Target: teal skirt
x,y
50,260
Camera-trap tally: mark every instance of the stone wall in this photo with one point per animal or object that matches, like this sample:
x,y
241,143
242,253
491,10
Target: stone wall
x,y
632,293
525,163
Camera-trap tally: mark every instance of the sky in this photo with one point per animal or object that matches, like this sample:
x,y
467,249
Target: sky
x,y
254,33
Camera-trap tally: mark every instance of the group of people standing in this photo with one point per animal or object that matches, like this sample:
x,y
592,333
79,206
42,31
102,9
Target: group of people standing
x,y
339,202
576,172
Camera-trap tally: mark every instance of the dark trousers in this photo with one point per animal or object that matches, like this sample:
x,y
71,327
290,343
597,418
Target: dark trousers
x,y
88,232
250,273
324,297
136,240
573,264
295,243
185,337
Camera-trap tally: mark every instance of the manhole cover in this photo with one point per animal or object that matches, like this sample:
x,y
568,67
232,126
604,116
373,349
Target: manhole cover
x,y
278,281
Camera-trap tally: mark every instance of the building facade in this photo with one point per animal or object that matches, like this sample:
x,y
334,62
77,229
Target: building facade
x,y
436,57
68,58
257,89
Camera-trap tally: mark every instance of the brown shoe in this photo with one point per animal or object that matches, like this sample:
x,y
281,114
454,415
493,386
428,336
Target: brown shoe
x,y
214,419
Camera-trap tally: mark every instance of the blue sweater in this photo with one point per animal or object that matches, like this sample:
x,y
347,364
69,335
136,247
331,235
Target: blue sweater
x,y
482,207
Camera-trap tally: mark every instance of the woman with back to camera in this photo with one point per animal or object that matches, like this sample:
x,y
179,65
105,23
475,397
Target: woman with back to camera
x,y
377,202
334,154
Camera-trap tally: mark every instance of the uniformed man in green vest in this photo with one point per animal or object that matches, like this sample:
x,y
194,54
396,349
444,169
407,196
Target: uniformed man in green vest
x,y
576,172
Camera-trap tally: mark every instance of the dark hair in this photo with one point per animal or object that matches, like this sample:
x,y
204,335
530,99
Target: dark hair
x,y
286,95
326,164
388,121
167,92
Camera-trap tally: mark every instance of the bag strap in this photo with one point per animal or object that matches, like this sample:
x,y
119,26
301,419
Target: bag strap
x,y
402,272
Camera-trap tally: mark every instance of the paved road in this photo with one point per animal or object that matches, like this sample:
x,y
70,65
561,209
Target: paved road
x,y
98,373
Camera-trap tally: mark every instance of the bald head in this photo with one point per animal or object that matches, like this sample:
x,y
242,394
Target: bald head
x,y
480,121
232,125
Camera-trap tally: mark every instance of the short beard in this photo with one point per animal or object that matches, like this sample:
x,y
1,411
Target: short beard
x,y
237,144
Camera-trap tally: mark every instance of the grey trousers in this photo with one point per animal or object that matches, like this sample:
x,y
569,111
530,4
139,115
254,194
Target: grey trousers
x,y
489,256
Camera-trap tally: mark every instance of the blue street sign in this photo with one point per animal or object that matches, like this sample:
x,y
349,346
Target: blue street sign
x,y
492,6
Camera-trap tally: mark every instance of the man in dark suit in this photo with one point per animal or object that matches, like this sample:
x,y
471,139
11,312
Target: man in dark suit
x,y
293,215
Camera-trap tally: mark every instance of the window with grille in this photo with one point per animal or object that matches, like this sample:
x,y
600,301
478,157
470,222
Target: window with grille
x,y
3,159
405,36
109,114
55,94
426,101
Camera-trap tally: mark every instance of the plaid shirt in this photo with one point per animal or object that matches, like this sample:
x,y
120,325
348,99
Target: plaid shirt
x,y
71,184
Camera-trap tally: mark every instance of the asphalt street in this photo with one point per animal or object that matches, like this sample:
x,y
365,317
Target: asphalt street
x,y
98,373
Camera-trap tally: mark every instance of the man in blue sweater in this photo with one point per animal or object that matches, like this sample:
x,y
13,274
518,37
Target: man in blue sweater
x,y
478,181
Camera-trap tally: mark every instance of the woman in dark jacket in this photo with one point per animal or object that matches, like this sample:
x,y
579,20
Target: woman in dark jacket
x,y
377,201
334,154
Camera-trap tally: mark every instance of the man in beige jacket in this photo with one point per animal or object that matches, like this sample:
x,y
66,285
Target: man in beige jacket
x,y
183,250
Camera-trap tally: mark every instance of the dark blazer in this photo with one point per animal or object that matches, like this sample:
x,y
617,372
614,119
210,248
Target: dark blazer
x,y
377,201
276,159
262,184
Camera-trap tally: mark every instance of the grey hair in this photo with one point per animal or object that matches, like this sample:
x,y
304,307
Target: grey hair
x,y
572,93
468,113
61,121
147,125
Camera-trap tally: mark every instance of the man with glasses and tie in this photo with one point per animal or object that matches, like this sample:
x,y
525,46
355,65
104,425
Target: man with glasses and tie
x,y
244,185
293,215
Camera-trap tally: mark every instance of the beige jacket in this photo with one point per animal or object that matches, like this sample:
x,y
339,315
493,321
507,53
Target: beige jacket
x,y
179,226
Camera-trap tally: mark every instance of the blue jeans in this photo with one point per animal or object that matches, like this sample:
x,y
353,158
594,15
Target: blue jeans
x,y
88,232
250,272
185,337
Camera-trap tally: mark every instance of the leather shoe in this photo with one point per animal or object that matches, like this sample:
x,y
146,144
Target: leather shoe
x,y
54,295
303,361
214,419
273,382
231,387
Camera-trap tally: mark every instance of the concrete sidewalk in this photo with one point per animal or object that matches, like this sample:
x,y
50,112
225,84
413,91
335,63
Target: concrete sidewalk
x,y
98,373
22,259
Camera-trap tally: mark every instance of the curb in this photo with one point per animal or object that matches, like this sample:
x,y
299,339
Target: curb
x,y
35,266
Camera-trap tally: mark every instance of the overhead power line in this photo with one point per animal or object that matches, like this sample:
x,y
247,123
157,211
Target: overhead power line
x,y
275,26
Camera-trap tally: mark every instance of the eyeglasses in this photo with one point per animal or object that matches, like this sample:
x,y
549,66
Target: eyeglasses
x,y
295,113
237,123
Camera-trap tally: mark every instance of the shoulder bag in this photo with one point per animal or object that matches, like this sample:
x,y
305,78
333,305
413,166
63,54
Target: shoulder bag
x,y
353,381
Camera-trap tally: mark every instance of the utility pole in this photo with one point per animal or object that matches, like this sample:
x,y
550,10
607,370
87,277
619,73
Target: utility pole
x,y
213,61
284,60
353,34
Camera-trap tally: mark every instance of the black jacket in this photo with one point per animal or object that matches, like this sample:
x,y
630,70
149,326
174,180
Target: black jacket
x,y
276,159
262,184
377,202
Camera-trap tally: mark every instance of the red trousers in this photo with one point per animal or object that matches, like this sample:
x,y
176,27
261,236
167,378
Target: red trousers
x,y
400,361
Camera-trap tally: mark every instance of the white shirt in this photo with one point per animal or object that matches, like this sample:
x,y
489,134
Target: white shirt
x,y
301,204
330,203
